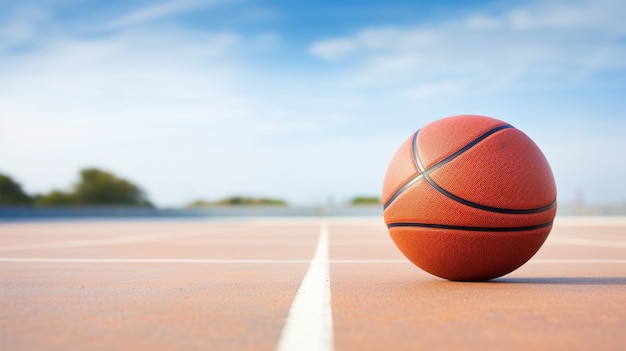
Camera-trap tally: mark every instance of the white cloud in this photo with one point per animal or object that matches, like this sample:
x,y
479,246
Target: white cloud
x,y
396,39
177,111
482,22
605,16
333,49
556,38
425,92
266,41
22,26
159,11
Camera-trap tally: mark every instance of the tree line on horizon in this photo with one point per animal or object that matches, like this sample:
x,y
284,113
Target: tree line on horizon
x,y
238,201
97,187
267,201
365,200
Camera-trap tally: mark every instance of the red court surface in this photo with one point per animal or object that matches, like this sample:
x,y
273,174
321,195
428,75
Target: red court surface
x,y
231,285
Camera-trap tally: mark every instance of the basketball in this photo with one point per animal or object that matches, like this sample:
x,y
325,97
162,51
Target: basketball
x,y
469,198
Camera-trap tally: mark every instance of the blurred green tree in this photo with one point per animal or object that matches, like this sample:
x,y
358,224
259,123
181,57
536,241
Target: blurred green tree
x,y
365,200
238,201
95,187
11,192
98,187
55,198
251,201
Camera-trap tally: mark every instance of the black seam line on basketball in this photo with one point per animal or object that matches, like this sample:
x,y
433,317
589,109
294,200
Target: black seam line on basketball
x,y
402,189
469,228
459,152
406,185
438,164
426,172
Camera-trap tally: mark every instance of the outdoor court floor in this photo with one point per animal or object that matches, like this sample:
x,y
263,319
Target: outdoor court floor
x,y
297,284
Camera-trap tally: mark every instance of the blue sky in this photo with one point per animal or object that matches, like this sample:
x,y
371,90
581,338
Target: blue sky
x,y
306,101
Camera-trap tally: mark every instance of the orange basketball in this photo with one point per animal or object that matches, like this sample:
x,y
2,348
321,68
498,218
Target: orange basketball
x,y
469,198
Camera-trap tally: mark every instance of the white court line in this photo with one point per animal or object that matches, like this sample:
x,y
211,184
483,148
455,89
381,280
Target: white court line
x,y
179,260
145,260
255,261
586,242
309,324
597,221
370,261
82,243
574,260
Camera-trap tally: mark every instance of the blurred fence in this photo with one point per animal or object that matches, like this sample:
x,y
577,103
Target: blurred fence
x,y
34,213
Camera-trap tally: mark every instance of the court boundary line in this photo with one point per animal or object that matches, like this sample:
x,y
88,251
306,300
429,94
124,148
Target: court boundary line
x,y
120,240
149,260
586,242
309,324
